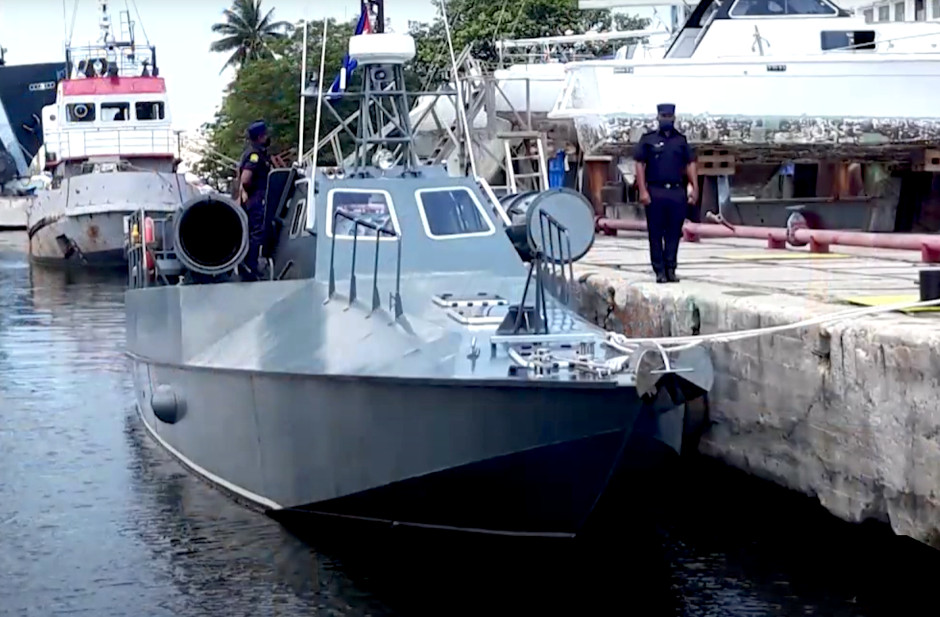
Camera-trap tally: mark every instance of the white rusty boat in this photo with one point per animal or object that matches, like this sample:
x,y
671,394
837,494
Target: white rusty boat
x,y
779,80
110,148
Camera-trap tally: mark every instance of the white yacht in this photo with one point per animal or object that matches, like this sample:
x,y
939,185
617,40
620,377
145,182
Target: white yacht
x,y
779,79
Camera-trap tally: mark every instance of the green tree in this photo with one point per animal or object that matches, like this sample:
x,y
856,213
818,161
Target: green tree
x,y
246,33
268,88
481,23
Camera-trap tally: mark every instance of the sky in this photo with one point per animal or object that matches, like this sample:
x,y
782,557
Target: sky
x,y
35,31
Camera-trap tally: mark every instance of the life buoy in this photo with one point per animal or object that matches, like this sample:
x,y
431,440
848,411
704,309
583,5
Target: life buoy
x,y
80,111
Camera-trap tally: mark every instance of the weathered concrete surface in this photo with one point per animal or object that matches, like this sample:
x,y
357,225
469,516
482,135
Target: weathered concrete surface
x,y
859,429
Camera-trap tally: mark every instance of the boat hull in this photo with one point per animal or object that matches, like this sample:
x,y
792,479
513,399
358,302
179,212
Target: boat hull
x,y
13,213
782,107
93,239
82,222
487,458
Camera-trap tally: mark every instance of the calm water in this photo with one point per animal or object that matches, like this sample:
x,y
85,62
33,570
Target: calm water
x,y
96,520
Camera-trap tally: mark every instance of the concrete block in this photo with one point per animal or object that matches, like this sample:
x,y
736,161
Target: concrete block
x,y
859,428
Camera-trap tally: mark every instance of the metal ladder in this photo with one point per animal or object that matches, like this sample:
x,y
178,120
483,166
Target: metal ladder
x,y
537,180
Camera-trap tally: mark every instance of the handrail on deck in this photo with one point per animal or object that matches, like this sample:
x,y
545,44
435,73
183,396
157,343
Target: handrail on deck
x,y
537,268
395,299
562,233
138,248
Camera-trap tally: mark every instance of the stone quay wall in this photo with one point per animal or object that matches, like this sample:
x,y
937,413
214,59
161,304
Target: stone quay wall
x,y
848,413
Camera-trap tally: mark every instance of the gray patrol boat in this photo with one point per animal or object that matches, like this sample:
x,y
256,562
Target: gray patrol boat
x,y
412,359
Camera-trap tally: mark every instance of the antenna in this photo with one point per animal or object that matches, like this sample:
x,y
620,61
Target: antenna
x,y
461,112
104,21
311,211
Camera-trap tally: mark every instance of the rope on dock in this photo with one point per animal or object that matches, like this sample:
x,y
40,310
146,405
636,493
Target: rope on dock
x,y
680,343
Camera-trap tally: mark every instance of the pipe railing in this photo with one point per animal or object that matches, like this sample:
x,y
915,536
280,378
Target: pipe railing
x,y
564,241
146,240
819,240
357,222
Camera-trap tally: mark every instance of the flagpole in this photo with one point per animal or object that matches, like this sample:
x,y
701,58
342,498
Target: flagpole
x,y
303,99
380,17
311,211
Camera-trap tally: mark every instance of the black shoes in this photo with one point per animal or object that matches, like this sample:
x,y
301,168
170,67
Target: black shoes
x,y
668,277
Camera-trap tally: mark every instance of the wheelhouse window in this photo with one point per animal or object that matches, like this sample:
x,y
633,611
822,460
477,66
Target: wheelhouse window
x,y
869,15
920,10
773,8
115,112
452,212
149,110
80,112
935,9
373,207
848,40
884,13
898,11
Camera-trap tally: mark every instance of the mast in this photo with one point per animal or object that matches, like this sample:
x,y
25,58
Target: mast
x,y
113,54
384,119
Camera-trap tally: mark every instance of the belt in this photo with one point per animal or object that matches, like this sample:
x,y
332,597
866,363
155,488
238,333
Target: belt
x,y
666,185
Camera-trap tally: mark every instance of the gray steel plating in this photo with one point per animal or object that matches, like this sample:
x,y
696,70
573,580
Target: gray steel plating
x,y
387,372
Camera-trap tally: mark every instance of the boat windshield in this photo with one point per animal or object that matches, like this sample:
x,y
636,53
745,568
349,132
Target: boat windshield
x,y
775,8
370,206
452,212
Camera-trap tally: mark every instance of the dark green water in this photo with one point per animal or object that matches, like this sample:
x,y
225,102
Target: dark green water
x,y
96,520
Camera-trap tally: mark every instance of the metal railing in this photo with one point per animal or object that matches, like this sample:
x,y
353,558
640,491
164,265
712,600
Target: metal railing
x,y
395,305
539,324
120,58
564,241
138,249
101,142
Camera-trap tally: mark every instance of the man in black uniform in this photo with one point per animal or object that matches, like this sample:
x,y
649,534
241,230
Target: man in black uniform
x,y
252,184
664,163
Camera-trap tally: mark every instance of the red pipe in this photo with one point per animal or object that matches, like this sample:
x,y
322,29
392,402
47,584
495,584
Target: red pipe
x,y
776,237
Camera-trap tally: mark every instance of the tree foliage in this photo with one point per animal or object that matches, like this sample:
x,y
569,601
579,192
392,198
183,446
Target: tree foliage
x,y
269,89
481,23
268,86
247,32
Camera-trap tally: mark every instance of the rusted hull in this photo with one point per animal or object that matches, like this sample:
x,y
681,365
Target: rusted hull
x,y
764,109
759,139
95,239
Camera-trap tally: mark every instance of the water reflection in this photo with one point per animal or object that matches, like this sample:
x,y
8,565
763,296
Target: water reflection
x,y
95,519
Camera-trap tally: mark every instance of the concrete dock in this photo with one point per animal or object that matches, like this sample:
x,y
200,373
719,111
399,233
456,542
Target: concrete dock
x,y
848,413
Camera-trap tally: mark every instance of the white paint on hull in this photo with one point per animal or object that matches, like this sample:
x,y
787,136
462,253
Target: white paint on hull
x,y
832,86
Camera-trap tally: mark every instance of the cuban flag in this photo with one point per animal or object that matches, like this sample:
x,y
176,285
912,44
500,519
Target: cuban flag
x,y
349,64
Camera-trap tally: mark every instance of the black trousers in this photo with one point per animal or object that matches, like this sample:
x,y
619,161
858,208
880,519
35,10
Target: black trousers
x,y
664,218
254,208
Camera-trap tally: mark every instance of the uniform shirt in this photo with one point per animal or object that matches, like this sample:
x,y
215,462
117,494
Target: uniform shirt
x,y
666,157
255,160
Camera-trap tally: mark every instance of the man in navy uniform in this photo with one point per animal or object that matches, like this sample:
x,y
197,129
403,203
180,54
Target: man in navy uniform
x,y
252,184
665,162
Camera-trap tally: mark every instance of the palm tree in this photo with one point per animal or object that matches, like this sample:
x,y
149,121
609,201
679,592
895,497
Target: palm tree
x,y
246,33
